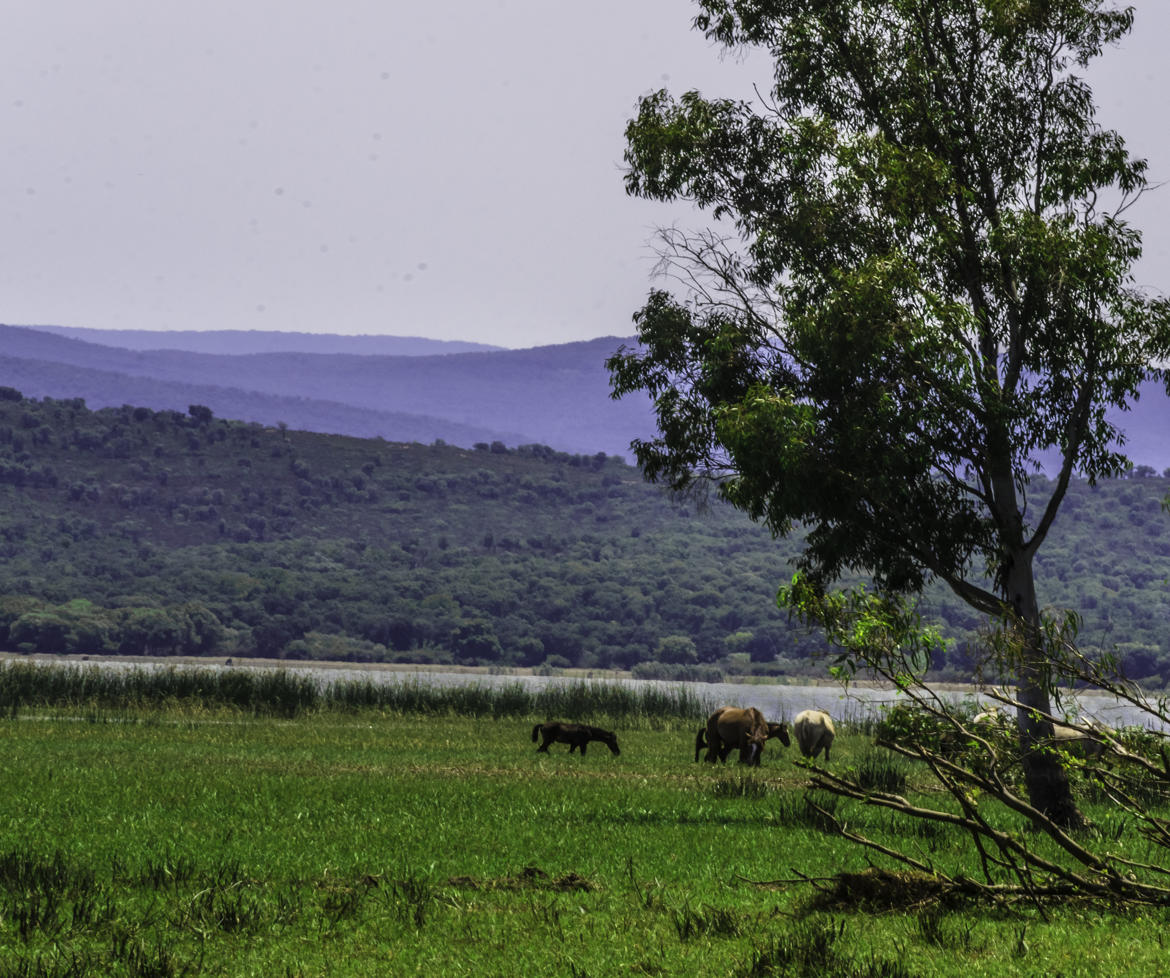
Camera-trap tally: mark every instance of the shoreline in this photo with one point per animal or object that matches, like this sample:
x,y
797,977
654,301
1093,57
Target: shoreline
x,y
783,698
492,672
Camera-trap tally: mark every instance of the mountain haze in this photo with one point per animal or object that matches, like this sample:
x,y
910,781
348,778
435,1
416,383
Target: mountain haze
x,y
554,395
551,395
104,388
233,341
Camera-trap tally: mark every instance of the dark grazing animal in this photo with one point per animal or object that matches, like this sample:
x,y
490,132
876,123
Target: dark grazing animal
x,y
730,728
576,735
779,730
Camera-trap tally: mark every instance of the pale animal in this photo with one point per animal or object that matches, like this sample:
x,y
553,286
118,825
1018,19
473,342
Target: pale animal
x,y
814,732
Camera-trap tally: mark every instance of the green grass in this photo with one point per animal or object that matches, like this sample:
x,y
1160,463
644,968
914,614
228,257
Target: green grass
x,y
195,841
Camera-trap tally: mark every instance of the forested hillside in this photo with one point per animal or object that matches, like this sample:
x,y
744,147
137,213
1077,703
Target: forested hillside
x,y
128,530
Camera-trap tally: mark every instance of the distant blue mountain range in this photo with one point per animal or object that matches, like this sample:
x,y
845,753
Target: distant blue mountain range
x,y
550,395
397,388
234,341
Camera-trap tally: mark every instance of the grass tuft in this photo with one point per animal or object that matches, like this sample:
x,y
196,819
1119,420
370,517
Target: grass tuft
x,y
937,927
808,948
811,810
414,896
811,947
708,922
879,770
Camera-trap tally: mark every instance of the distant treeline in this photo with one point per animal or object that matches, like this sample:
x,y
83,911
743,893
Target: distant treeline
x,y
143,532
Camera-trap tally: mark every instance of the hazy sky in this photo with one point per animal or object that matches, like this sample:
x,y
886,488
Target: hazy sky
x,y
440,169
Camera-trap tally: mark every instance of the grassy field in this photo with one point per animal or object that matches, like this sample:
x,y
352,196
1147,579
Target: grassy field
x,y
362,841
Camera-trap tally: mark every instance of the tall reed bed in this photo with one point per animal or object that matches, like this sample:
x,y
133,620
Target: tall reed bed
x,y
627,705
269,692
280,692
630,705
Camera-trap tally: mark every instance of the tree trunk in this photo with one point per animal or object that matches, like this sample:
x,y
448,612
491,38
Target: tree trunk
x,y
1047,782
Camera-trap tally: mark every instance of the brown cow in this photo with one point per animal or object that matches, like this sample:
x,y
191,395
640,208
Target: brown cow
x,y
729,728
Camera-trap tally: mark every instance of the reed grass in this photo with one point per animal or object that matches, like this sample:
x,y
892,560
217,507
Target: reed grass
x,y
879,770
284,693
268,692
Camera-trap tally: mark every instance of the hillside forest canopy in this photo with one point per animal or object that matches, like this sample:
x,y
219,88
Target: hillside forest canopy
x,y
139,532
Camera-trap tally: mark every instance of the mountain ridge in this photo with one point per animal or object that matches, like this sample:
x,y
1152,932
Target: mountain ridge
x,y
45,379
266,341
556,395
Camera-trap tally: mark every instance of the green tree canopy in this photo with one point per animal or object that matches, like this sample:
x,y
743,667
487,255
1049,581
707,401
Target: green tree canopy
x,y
921,283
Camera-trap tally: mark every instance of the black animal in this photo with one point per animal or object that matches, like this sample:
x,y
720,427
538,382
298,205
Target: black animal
x,y
576,735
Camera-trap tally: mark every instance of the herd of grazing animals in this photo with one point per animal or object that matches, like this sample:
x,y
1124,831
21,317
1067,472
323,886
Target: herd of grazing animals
x,y
746,730
728,728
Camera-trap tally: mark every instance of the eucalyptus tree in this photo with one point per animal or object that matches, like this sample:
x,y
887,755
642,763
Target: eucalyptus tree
x,y
916,284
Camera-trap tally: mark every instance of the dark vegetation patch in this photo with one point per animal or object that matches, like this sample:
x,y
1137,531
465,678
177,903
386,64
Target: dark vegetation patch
x,y
814,810
821,947
529,878
877,890
708,921
882,771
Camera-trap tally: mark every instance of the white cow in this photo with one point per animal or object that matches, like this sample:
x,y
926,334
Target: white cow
x,y
814,731
1071,739
1078,741
995,717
